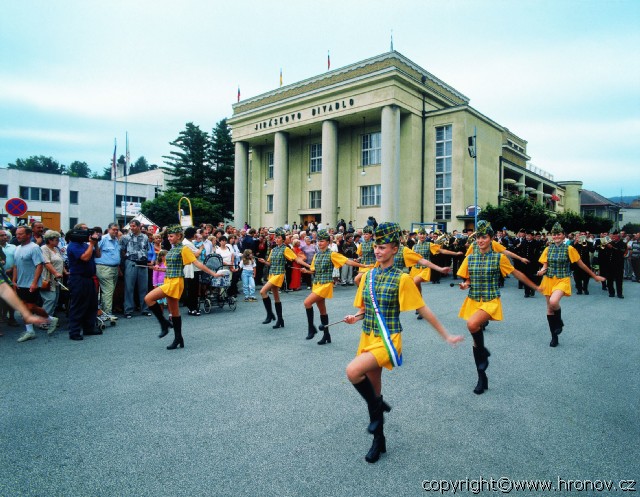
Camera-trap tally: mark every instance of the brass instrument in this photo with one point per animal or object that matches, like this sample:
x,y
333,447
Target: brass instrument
x,y
472,238
604,240
442,238
582,240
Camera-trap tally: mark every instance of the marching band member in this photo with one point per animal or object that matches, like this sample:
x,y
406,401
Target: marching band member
x,y
383,293
481,271
556,267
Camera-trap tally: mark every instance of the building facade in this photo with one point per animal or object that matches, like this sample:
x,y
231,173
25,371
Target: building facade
x,y
61,201
383,138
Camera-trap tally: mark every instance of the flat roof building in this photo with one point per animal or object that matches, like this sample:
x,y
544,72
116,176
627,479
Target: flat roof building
x,y
382,137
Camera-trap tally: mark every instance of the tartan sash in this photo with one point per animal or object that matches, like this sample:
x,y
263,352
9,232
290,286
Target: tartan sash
x,y
383,330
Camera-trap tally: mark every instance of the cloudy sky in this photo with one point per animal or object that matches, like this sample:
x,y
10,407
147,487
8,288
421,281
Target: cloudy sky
x,y
563,74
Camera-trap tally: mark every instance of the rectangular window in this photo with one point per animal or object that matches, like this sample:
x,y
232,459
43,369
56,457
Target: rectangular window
x,y
315,154
315,199
269,165
35,193
444,158
73,221
371,149
73,197
370,195
24,192
55,195
4,191
45,195
269,203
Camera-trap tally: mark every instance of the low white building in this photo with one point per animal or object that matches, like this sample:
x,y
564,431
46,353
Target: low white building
x,y
61,201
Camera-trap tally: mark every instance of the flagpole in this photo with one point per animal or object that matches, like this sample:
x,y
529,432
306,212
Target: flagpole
x,y
126,167
114,173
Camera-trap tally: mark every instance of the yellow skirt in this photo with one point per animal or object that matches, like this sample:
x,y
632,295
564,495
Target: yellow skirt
x,y
550,285
173,287
491,307
324,290
423,272
373,344
276,279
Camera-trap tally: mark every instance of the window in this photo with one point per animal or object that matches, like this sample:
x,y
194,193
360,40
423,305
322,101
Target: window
x,y
269,203
443,171
269,165
4,191
39,194
315,155
315,199
131,198
73,221
370,195
73,197
371,149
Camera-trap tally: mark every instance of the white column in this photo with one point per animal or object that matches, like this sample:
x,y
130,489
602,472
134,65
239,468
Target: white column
x,y
240,186
390,167
280,178
329,209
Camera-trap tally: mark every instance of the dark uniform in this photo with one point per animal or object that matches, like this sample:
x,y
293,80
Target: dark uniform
x,y
579,276
83,296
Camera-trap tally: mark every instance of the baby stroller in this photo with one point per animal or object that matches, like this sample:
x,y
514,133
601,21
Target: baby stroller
x,y
216,290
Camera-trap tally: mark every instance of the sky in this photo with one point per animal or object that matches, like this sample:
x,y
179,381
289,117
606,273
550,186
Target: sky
x,y
564,75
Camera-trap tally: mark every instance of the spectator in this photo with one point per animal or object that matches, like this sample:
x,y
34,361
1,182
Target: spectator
x,y
26,277
53,271
108,266
134,249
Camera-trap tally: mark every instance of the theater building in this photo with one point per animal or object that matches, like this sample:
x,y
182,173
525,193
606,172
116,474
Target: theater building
x,y
382,137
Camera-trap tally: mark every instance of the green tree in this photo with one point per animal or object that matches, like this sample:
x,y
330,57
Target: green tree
x,y
631,228
597,224
515,214
106,174
191,163
570,221
38,164
223,158
163,210
141,166
79,169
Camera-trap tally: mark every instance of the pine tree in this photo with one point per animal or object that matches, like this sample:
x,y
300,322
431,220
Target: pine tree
x,y
223,158
191,164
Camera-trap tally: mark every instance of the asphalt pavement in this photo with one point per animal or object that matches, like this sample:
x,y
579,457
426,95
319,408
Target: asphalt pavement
x,y
246,410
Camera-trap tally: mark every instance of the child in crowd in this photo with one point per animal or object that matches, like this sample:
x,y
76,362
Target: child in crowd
x,y
159,271
248,266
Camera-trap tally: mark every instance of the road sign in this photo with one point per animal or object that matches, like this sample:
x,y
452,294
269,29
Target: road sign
x,y
16,206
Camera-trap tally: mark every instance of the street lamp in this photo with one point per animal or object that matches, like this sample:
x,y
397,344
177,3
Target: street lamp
x,y
473,152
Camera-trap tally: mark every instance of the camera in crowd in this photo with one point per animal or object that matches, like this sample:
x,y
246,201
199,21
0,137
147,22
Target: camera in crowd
x,y
82,236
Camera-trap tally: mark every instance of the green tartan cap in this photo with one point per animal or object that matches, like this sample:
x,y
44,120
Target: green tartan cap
x,y
322,235
367,229
557,228
280,232
172,230
387,233
484,228
422,230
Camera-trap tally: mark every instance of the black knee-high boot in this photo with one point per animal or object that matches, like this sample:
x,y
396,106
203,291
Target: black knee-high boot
x,y
552,328
280,321
164,323
177,332
379,446
267,306
312,329
481,358
326,337
559,322
376,405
